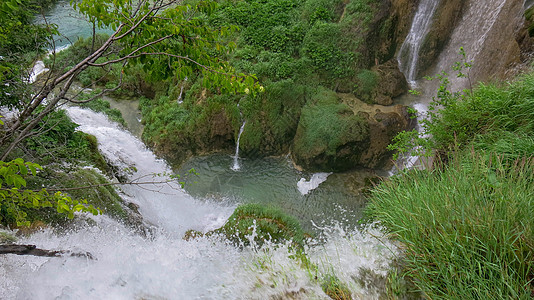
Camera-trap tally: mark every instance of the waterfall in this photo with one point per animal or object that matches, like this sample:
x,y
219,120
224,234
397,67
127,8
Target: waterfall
x,y
236,165
487,32
165,266
174,210
409,53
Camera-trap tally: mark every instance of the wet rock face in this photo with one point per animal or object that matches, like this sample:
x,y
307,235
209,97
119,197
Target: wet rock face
x,y
359,135
391,83
491,32
444,21
500,50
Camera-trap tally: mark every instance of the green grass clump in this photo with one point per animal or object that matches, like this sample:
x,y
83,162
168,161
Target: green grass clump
x,y
335,289
466,227
260,224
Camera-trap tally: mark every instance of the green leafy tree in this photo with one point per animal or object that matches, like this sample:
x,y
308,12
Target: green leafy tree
x,y
166,37
15,199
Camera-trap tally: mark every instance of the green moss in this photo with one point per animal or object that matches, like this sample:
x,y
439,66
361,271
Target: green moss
x,y
261,223
272,117
93,186
327,124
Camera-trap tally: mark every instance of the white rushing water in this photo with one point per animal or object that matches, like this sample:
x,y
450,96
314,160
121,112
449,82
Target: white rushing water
x,y
305,186
163,265
409,52
38,69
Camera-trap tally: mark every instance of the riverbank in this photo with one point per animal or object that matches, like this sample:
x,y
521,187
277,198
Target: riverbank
x,y
466,225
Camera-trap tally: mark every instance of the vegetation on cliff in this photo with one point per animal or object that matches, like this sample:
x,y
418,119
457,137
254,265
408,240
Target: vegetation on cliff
x,y
293,47
467,222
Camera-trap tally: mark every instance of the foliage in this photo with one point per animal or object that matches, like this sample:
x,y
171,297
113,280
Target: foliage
x,y
279,107
74,182
322,46
292,47
185,23
56,138
326,124
103,106
467,227
255,223
16,200
466,118
20,42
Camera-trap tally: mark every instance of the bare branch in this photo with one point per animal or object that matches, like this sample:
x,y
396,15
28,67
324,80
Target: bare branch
x,y
131,55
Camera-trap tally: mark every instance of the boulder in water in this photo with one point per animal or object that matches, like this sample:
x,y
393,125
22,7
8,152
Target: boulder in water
x,y
255,224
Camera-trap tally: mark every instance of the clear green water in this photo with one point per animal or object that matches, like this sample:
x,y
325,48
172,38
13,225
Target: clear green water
x,y
71,24
273,181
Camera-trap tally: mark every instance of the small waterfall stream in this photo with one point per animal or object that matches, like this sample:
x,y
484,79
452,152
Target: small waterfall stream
x,y
409,52
236,165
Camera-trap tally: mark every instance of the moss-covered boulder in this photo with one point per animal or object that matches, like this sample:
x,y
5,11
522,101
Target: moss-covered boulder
x,y
259,223
329,135
272,118
79,183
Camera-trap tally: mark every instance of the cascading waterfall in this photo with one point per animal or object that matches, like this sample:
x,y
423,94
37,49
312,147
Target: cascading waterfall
x,y
164,266
128,153
408,58
487,33
409,53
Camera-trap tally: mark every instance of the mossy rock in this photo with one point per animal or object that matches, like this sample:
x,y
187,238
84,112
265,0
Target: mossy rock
x,y
263,223
101,195
330,137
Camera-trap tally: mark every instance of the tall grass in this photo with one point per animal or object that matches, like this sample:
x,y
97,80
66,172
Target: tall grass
x,y
466,227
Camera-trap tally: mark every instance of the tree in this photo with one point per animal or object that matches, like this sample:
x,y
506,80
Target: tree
x,y
167,37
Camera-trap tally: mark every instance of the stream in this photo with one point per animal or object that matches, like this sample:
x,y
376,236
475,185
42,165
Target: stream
x,y
163,265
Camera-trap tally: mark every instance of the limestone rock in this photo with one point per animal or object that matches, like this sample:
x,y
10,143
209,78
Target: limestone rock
x,y
391,83
357,135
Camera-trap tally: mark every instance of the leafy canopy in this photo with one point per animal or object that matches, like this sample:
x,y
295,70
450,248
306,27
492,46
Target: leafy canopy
x,y
15,200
